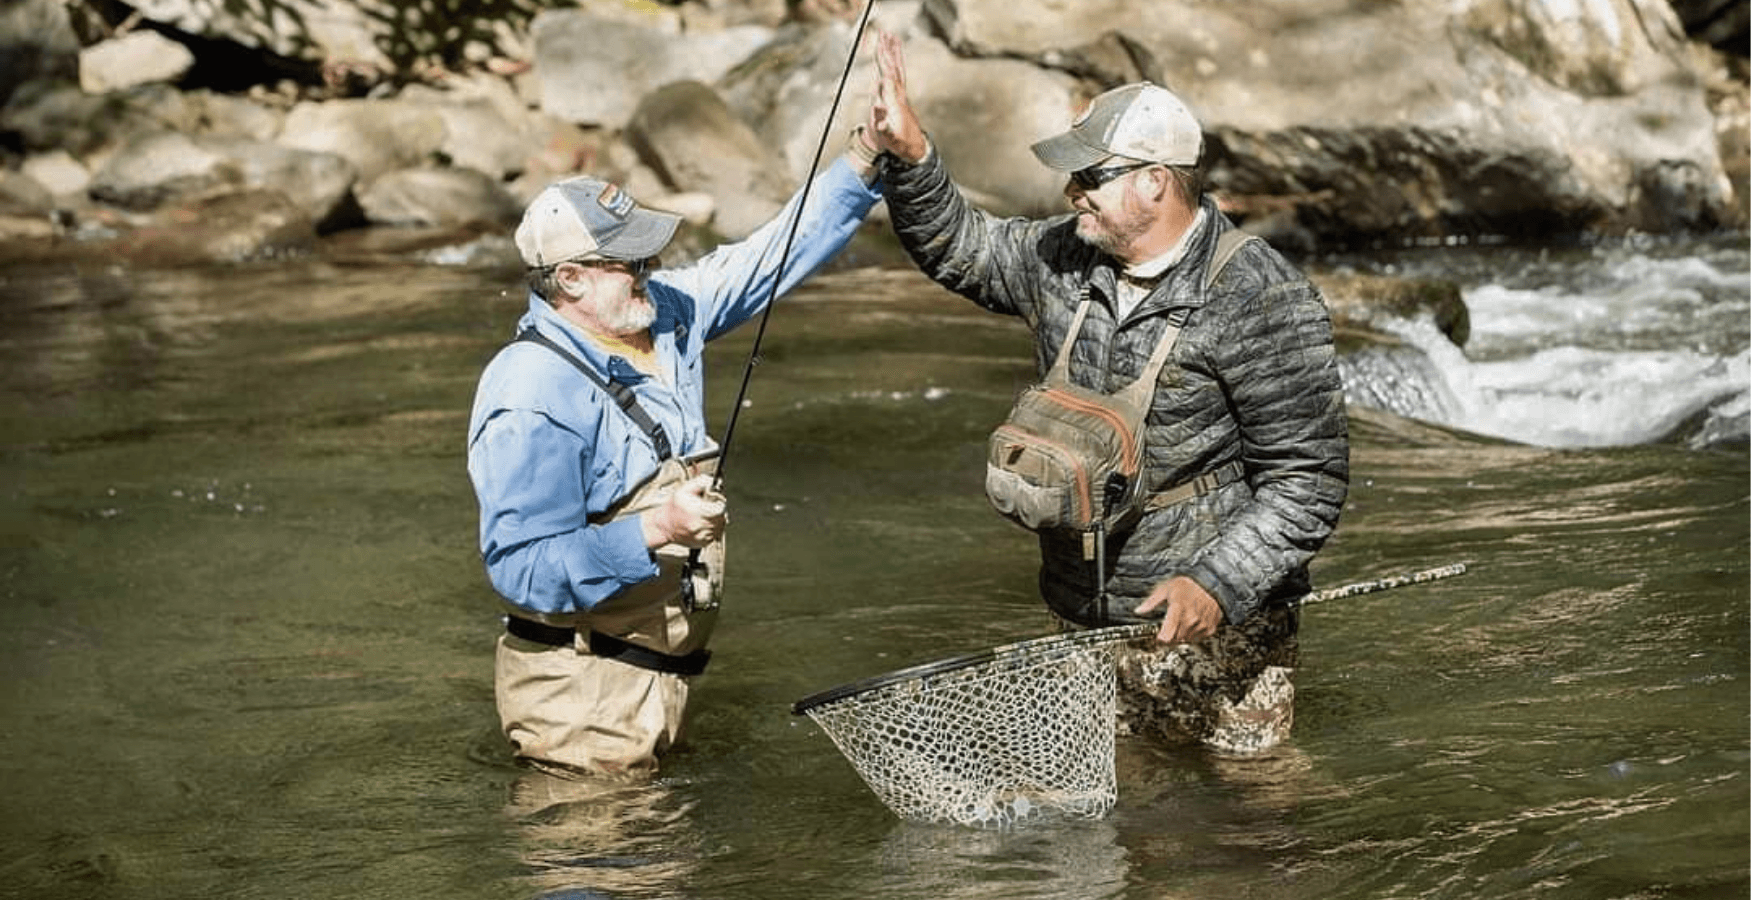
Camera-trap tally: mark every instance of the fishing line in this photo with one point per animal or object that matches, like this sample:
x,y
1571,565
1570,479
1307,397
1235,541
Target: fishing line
x,y
786,249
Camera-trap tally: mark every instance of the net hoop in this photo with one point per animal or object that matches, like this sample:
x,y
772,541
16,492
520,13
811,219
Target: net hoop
x,y
1033,649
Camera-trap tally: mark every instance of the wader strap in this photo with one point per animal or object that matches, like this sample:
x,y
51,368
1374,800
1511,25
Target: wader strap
x,y
1060,370
1224,248
609,647
1202,484
620,393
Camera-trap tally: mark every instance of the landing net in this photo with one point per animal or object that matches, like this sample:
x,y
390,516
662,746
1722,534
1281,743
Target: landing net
x,y
997,737
990,739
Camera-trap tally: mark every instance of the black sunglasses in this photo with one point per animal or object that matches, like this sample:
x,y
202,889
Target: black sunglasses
x,y
1096,176
634,269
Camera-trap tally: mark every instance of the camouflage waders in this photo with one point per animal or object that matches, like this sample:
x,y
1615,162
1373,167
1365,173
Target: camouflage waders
x,y
1231,692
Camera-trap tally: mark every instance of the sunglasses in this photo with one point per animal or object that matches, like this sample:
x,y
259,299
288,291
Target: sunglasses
x,y
633,268
1097,176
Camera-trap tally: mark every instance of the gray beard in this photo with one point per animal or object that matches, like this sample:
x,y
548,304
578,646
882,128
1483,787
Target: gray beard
x,y
629,319
1133,224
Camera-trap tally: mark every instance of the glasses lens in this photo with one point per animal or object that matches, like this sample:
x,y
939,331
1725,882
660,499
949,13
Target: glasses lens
x,y
633,268
1097,176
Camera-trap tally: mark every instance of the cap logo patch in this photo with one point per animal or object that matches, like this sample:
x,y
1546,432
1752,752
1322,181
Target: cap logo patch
x,y
1084,114
616,201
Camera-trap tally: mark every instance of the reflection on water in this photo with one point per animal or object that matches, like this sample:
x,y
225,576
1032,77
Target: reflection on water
x,y
1064,861
245,642
602,839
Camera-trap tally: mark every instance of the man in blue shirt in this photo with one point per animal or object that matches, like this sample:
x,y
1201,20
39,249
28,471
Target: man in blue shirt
x,y
589,452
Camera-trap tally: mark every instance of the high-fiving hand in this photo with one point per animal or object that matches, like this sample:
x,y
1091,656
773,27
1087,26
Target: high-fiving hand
x,y
891,124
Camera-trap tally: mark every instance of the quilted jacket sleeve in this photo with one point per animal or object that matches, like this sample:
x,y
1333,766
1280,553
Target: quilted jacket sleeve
x,y
991,260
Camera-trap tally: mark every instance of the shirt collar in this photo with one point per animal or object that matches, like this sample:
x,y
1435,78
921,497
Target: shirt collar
x,y
1155,267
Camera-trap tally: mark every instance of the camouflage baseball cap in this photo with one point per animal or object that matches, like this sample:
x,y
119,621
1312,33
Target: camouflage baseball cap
x,y
1139,121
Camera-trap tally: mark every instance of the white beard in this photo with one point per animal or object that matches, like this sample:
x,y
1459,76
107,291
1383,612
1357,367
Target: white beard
x,y
635,314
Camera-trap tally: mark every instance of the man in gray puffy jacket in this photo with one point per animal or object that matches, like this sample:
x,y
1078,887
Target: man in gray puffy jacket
x,y
1245,460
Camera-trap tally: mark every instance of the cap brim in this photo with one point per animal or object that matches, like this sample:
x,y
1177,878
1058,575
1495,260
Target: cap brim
x,y
1066,153
645,233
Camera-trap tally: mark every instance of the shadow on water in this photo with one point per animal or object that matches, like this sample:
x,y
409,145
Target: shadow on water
x,y
245,640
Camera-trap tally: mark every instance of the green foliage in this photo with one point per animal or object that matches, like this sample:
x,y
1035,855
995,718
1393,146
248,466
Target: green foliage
x,y
419,34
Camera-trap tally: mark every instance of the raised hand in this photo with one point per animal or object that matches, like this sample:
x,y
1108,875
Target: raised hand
x,y
891,123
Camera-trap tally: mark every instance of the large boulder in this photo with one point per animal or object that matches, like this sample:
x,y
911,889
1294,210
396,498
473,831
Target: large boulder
x,y
594,69
167,167
981,114
690,137
138,57
245,226
376,136
47,117
1406,120
438,197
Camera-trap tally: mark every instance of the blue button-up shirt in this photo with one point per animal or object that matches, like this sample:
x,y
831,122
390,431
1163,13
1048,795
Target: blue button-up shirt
x,y
547,448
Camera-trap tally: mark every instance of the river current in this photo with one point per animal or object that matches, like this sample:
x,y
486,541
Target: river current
x,y
246,643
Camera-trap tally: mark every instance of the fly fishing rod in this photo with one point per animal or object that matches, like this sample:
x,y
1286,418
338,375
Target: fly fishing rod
x,y
1345,590
688,585
786,248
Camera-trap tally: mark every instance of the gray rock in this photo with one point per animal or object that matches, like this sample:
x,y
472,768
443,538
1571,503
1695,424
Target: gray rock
x,y
686,133
245,226
138,57
438,197
1405,120
23,197
981,114
160,168
593,69
37,44
376,136
58,172
170,167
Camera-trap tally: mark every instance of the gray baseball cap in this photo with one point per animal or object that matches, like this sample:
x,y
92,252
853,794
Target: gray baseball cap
x,y
1139,121
584,218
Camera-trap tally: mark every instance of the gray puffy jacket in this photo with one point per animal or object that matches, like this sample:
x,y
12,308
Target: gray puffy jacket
x,y
1252,379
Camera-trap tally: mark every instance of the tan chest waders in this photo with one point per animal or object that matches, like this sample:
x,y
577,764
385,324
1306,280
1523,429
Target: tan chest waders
x,y
1070,458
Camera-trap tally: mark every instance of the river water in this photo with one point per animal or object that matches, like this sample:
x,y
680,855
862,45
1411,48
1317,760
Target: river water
x,y
245,641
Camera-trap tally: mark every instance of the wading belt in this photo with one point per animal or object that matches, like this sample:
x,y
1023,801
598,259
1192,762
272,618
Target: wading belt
x,y
609,647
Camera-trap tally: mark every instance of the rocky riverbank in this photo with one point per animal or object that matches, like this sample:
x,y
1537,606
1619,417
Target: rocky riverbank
x,y
170,132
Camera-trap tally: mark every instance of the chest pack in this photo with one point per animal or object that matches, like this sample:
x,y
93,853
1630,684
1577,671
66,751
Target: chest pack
x,y
1068,457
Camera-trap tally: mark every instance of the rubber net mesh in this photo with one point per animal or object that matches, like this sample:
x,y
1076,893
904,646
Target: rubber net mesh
x,y
1027,733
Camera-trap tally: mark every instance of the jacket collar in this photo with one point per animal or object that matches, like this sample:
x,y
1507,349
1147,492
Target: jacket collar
x,y
1166,295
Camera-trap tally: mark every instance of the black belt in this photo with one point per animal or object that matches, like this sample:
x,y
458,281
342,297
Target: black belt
x,y
609,647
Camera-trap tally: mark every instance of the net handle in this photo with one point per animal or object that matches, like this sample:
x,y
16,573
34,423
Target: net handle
x,y
1093,636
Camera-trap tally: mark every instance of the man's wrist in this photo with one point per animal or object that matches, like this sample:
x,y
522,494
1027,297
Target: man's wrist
x,y
862,155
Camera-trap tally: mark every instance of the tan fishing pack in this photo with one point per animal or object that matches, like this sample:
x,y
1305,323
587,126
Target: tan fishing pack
x,y
1070,458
